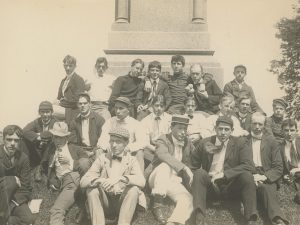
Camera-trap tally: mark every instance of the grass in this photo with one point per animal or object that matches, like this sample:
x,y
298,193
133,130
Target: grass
x,y
218,213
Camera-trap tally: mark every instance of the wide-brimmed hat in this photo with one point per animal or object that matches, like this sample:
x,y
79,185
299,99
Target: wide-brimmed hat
x,y
60,129
180,119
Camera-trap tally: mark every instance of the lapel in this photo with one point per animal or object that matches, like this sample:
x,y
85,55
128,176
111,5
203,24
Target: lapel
x,y
210,156
171,145
229,148
159,87
108,162
263,147
71,81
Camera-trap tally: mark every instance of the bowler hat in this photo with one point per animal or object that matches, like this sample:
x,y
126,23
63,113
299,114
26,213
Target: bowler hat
x,y
124,100
225,119
45,105
60,129
280,101
120,132
181,119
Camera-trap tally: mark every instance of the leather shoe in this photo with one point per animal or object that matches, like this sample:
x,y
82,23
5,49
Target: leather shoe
x,y
199,218
278,221
159,216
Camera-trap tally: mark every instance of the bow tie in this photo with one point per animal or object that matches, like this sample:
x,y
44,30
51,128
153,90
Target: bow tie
x,y
191,116
256,137
115,157
157,118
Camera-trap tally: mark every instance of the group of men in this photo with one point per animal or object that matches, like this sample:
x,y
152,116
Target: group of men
x,y
175,134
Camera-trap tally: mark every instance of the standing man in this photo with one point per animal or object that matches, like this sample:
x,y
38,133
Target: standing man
x,y
137,139
290,151
69,88
224,165
100,86
17,181
207,92
243,112
127,86
238,87
158,87
172,176
113,182
274,122
268,167
38,139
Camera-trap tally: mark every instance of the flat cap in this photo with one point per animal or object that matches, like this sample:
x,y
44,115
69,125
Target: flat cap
x,y
124,100
181,119
45,105
280,101
120,132
225,119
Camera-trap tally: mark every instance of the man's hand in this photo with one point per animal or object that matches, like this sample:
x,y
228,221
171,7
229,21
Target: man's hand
x,y
294,171
203,93
108,183
189,174
98,182
194,137
258,179
147,86
18,181
217,176
140,108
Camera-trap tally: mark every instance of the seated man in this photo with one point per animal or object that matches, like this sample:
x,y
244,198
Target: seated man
x,y
38,140
274,122
207,92
155,124
4,208
86,129
290,151
17,183
127,86
171,176
158,87
113,182
137,139
197,129
268,163
226,109
63,173
238,87
224,165
243,112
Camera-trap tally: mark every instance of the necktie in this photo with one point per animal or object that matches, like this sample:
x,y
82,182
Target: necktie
x,y
154,87
157,118
294,156
118,158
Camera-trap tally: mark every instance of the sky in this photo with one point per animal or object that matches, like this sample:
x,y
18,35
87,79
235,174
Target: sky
x,y
36,35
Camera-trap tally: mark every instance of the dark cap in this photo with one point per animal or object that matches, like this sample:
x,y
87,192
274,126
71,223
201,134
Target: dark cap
x,y
45,105
225,119
120,132
181,119
280,101
124,100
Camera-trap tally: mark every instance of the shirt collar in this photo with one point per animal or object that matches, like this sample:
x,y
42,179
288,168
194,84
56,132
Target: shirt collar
x,y
70,75
177,143
7,154
152,80
219,143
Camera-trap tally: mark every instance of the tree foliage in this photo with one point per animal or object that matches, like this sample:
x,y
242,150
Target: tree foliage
x,y
287,68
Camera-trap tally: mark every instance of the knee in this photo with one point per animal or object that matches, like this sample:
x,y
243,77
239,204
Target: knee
x,y
83,165
133,192
56,210
246,178
92,193
27,218
164,168
201,175
186,199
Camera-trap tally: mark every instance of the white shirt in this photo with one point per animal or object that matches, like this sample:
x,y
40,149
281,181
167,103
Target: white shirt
x,y
154,128
101,87
137,139
217,164
85,130
178,145
256,152
62,169
287,150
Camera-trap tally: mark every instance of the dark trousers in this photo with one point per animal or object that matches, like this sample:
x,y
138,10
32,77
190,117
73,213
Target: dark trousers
x,y
266,194
242,185
4,210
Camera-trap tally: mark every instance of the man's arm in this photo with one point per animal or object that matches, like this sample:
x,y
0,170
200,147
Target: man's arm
x,y
30,131
136,176
91,176
73,138
116,91
216,93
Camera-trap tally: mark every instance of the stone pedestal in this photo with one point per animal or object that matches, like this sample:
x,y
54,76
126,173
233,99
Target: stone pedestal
x,y
156,30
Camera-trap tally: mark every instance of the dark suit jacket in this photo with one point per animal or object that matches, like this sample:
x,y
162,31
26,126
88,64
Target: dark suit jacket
x,y
246,123
270,157
233,88
162,89
237,157
75,86
95,128
21,169
31,129
210,104
165,150
286,165
4,209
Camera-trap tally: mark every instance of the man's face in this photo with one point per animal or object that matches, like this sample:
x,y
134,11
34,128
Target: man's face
x,y
69,68
190,107
278,110
223,131
11,143
117,144
244,106
177,67
154,72
196,74
239,74
179,131
257,124
101,68
290,132
45,114
59,141
227,107
136,70
121,110
158,108
84,106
